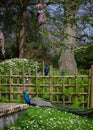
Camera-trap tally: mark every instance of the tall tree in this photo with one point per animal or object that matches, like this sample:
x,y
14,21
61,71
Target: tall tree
x,y
67,61
17,21
23,6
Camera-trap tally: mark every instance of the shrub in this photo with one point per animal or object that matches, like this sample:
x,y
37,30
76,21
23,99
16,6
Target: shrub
x,y
16,64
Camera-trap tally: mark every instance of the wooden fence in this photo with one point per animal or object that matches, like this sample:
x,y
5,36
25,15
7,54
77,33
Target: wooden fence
x,y
74,90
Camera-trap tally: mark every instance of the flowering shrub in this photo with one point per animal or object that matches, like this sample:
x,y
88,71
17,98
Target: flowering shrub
x,y
17,64
41,15
2,42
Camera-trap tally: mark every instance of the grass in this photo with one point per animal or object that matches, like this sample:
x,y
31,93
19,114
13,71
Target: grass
x,y
43,118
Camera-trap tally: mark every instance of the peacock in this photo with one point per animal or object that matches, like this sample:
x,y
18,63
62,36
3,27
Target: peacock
x,y
42,103
35,101
46,70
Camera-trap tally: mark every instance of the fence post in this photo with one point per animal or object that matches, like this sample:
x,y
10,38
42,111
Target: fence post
x,y
23,76
43,67
10,76
0,87
36,77
50,83
91,89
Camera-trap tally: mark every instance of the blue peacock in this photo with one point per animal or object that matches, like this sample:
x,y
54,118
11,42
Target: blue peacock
x,y
46,70
40,102
35,101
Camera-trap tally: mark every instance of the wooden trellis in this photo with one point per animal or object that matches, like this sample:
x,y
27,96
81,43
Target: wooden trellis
x,y
66,90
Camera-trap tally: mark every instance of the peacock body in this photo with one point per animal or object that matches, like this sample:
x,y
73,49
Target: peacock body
x,y
40,102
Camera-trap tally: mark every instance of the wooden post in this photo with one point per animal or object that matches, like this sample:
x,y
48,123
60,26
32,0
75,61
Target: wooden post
x,y
50,83
70,84
23,76
36,81
18,90
43,67
91,89
89,86
11,96
43,76
0,86
29,81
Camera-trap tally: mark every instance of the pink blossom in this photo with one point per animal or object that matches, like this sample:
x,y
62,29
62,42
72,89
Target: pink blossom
x,y
40,11
1,35
41,18
3,51
39,5
44,4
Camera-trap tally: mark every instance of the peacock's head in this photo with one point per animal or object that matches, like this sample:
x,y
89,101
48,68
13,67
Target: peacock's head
x,y
25,92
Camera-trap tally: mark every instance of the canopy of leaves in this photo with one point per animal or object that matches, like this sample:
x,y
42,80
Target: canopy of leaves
x,y
51,33
84,57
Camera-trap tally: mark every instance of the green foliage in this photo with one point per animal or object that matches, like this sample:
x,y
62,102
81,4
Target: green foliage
x,y
65,86
55,59
83,71
77,101
42,118
18,64
84,57
4,99
11,16
65,90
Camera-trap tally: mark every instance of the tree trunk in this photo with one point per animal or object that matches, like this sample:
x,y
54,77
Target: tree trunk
x,y
67,61
22,32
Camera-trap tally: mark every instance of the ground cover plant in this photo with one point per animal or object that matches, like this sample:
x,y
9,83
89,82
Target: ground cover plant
x,y
43,118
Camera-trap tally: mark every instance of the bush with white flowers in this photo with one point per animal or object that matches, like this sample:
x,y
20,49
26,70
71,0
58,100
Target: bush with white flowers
x,y
18,64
